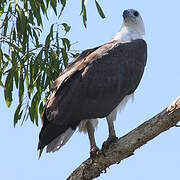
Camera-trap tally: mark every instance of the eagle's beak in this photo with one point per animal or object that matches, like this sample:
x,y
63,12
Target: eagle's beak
x,y
126,14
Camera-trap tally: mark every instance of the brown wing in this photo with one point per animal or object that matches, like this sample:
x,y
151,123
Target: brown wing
x,y
93,86
82,61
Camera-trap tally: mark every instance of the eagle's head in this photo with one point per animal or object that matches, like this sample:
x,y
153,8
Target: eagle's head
x,y
132,27
133,20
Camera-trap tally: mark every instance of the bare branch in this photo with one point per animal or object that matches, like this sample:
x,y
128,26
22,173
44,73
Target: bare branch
x,y
127,144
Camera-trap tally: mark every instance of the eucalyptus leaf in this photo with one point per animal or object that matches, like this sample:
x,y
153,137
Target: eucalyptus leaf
x,y
100,11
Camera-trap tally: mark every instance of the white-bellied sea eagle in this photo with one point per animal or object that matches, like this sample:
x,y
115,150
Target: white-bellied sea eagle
x,y
96,85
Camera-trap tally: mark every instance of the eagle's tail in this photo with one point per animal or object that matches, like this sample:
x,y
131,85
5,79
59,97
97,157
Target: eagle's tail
x,y
59,141
53,136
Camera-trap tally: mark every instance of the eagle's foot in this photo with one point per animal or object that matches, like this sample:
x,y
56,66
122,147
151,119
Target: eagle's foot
x,y
108,142
94,152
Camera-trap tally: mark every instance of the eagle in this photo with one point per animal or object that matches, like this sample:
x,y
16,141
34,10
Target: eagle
x,y
97,84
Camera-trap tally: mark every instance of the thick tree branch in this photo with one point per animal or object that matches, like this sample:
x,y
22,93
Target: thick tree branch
x,y
127,144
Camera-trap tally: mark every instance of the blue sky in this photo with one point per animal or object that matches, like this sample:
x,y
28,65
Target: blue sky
x,y
159,159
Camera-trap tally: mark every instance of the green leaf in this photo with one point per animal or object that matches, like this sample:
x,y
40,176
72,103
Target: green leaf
x,y
36,113
51,30
100,11
31,113
2,9
5,24
21,87
66,43
8,97
39,56
17,114
47,41
26,76
43,7
57,44
54,5
37,14
34,108
16,77
31,77
35,36
65,57
8,88
83,13
66,27
63,3
41,108
14,35
1,64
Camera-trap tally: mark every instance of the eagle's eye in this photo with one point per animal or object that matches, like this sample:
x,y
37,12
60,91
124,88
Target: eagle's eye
x,y
136,13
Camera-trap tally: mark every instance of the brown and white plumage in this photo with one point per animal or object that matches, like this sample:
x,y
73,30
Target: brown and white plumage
x,y
94,85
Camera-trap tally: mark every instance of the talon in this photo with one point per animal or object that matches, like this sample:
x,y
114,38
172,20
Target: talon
x,y
108,142
94,152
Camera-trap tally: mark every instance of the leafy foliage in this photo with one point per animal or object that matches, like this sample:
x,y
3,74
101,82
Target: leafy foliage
x,y
28,62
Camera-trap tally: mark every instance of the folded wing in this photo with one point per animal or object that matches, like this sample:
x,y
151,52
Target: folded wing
x,y
93,86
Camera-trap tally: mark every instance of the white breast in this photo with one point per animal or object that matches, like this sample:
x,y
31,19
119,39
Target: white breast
x,y
127,34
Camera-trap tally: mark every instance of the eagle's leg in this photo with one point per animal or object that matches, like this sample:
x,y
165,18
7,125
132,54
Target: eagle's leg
x,y
112,134
110,120
94,150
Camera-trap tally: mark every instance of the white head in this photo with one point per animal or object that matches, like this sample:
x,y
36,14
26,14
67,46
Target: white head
x,y
132,27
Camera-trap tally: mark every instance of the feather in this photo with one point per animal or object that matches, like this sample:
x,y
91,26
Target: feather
x,y
82,125
59,141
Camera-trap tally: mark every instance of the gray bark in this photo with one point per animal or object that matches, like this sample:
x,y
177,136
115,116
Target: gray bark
x,y
126,145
